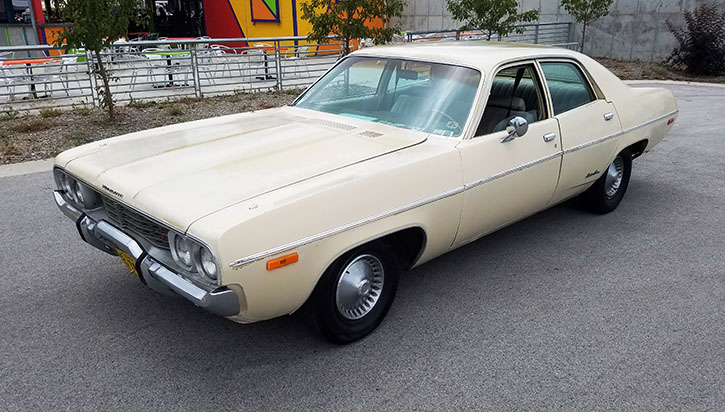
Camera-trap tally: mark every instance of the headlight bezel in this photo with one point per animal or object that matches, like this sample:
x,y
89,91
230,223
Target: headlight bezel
x,y
202,268
76,192
196,249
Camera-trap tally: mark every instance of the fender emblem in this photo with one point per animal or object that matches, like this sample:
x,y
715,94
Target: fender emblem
x,y
112,191
596,172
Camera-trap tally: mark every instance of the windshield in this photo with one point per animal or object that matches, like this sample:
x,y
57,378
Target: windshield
x,y
429,97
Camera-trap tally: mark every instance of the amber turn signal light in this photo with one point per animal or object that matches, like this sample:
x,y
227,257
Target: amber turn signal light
x,y
282,261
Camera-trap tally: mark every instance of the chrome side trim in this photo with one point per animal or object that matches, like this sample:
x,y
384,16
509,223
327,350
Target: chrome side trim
x,y
344,228
623,132
512,170
314,238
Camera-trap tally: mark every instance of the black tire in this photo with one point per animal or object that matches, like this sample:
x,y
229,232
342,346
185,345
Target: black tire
x,y
322,307
602,197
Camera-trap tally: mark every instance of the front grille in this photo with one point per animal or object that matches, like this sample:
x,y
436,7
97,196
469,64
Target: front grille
x,y
128,219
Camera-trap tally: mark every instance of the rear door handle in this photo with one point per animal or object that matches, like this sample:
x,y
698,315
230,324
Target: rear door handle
x,y
549,137
608,116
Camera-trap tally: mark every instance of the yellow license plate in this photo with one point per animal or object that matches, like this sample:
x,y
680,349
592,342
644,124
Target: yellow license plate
x,y
129,261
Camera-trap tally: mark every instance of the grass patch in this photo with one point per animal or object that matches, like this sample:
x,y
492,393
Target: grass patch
x,y
293,92
139,104
174,110
82,110
190,100
50,113
8,115
80,139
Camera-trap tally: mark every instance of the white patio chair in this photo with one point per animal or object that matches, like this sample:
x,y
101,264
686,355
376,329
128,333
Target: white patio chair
x,y
299,58
227,57
7,81
13,76
140,65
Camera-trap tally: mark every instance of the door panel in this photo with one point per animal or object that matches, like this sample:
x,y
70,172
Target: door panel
x,y
584,119
582,165
507,181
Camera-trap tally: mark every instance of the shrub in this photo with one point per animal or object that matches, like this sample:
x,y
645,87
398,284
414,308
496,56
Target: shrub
x,y
82,110
174,110
48,113
8,115
701,43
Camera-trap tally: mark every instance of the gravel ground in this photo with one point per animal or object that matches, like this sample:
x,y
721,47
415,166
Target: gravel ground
x,y
638,70
44,135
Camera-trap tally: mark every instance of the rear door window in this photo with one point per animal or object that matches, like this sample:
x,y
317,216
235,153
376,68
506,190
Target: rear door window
x,y
567,85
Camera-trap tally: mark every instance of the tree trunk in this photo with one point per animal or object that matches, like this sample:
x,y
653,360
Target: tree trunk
x,y
107,98
584,33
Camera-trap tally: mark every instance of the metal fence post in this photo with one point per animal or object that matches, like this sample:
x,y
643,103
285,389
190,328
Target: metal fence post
x,y
195,71
92,79
278,64
536,34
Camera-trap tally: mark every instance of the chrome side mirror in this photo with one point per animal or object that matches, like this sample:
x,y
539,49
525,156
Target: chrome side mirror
x,y
517,127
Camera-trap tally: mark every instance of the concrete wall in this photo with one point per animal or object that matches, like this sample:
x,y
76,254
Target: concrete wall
x,y
634,30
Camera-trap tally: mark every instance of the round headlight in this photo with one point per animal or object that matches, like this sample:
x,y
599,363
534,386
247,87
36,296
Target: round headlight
x,y
66,185
79,193
208,263
85,195
182,247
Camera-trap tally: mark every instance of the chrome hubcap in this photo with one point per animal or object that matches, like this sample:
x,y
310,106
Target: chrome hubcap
x,y
614,177
359,287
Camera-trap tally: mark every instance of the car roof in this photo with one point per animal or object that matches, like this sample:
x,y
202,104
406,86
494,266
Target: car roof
x,y
484,55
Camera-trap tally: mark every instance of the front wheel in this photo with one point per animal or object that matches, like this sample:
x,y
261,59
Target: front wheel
x,y
606,193
354,294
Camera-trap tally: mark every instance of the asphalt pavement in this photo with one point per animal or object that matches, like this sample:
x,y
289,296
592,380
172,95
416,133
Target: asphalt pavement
x,y
563,311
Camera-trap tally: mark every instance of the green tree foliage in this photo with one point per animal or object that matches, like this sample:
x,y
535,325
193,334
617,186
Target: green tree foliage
x,y
490,16
96,25
586,11
701,43
351,19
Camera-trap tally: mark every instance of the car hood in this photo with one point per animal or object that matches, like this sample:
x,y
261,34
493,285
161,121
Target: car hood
x,y
183,172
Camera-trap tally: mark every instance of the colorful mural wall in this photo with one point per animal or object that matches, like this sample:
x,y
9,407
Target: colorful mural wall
x,y
254,18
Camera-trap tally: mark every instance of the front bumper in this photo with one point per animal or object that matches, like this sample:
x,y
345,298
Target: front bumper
x,y
106,237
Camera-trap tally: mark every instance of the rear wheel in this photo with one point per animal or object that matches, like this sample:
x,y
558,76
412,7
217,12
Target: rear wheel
x,y
607,192
354,294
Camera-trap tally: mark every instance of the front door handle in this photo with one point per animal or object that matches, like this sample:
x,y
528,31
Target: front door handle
x,y
549,137
608,116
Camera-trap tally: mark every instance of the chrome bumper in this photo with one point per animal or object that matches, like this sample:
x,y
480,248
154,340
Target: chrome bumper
x,y
106,237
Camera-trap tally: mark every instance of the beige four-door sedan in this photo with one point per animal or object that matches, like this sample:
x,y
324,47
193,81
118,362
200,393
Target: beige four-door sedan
x,y
395,156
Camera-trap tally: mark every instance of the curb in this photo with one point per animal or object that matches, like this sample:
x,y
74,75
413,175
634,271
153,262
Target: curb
x,y
25,168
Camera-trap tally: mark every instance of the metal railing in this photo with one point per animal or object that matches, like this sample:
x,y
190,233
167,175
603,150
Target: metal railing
x,y
551,34
37,77
159,69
